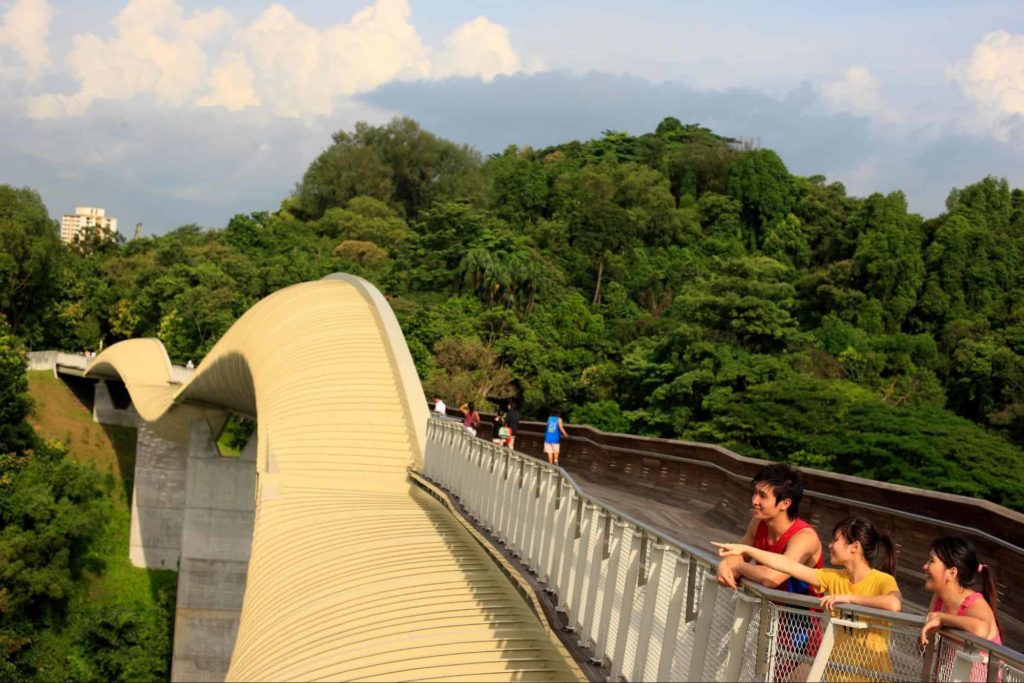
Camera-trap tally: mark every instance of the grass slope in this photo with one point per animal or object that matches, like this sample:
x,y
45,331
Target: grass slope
x,y
60,412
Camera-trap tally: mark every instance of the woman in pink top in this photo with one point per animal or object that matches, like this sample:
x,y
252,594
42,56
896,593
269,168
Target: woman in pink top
x,y
951,573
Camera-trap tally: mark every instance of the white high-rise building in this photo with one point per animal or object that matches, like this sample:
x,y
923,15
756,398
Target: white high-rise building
x,y
85,216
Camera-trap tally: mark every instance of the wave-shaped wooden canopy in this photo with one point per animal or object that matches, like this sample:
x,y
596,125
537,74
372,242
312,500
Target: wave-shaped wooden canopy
x,y
355,573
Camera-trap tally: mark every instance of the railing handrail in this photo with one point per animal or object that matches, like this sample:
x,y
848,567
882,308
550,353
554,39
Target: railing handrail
x,y
817,494
1010,516
753,589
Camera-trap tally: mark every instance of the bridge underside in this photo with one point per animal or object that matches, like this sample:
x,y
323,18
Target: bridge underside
x,y
354,572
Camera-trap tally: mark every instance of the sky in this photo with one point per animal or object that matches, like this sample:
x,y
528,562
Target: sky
x,y
174,112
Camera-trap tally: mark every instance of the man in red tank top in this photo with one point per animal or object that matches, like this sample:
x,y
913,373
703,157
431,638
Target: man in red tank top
x,y
775,527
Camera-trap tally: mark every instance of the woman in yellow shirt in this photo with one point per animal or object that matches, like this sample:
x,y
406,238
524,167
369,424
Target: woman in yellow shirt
x,y
858,548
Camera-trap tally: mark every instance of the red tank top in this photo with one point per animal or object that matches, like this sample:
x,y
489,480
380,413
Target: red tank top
x,y
761,542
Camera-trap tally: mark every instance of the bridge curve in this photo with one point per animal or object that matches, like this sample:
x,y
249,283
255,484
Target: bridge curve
x,y
355,572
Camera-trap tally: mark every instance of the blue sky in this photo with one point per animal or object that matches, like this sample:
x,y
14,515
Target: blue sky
x,y
168,112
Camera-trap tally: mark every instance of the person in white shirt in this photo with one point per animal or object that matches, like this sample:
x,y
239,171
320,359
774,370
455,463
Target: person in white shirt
x,y
439,407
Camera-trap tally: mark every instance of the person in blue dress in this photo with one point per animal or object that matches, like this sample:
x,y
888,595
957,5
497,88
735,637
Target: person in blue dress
x,y
553,436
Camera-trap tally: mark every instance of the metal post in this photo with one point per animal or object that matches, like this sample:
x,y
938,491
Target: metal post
x,y
558,538
567,541
512,523
705,615
501,497
505,498
762,667
521,496
608,596
473,479
540,522
670,639
428,450
490,473
529,513
929,660
631,539
742,616
548,486
577,598
598,518
658,570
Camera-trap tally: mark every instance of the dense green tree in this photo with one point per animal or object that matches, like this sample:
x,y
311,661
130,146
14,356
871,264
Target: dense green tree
x,y
15,434
29,256
760,181
888,256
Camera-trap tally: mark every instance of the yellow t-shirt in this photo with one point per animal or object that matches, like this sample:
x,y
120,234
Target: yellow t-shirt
x,y
857,648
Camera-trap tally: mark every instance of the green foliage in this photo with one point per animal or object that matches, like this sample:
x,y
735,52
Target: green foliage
x,y
51,510
605,415
399,163
847,428
29,257
15,434
760,181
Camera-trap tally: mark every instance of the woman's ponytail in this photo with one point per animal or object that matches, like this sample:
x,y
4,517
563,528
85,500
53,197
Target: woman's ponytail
x,y
879,549
989,590
885,555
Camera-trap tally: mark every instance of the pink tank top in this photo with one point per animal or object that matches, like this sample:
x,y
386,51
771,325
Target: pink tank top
x,y
964,606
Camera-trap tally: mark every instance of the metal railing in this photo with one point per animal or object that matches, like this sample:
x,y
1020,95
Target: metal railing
x,y
649,607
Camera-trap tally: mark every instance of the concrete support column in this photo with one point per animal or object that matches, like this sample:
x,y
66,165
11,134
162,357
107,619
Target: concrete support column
x,y
215,545
158,499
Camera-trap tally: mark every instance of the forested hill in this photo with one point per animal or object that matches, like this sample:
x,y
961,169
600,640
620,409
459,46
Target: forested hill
x,y
675,283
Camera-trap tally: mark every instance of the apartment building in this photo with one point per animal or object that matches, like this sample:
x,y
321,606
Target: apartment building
x,y
83,217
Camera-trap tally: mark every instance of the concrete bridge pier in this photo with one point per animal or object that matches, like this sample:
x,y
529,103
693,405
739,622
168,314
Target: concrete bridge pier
x,y
216,540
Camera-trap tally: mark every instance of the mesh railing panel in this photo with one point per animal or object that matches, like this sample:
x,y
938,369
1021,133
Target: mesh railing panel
x,y
793,639
954,658
876,653
748,671
721,631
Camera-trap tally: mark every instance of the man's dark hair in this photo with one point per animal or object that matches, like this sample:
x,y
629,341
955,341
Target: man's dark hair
x,y
786,483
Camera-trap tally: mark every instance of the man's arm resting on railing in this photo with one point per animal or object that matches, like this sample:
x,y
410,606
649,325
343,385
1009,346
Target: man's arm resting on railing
x,y
801,548
780,563
729,567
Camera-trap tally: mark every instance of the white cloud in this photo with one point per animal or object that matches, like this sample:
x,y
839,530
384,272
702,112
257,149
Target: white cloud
x,y
231,85
157,51
993,77
23,29
857,93
477,48
276,62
